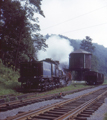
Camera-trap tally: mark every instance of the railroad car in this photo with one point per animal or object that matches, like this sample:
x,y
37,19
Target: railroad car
x,y
94,78
41,75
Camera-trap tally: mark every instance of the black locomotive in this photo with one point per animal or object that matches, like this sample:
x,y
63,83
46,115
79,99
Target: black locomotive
x,y
41,75
80,62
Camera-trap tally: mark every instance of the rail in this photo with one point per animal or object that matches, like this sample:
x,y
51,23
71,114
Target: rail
x,y
72,114
29,115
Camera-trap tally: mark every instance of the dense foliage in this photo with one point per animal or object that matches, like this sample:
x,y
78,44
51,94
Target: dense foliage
x,y
8,80
86,44
19,36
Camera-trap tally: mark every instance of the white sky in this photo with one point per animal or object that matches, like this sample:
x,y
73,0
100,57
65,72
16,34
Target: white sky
x,y
75,19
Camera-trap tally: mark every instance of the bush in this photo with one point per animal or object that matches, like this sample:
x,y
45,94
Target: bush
x,y
105,117
8,80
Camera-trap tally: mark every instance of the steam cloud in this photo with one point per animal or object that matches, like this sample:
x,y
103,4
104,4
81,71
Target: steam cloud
x,y
58,49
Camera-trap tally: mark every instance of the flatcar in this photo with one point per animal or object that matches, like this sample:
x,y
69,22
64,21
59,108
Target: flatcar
x,y
41,75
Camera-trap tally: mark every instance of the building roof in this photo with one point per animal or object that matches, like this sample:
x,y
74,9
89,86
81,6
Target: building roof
x,y
81,51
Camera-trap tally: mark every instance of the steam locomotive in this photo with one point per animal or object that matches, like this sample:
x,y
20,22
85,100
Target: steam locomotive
x,y
42,75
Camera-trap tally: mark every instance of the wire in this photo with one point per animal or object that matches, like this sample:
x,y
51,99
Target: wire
x,y
73,18
84,28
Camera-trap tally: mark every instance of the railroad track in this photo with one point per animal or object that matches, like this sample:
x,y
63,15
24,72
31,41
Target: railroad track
x,y
32,99
78,108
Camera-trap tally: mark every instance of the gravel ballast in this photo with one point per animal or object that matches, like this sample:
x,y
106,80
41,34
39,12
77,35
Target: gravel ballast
x,y
98,115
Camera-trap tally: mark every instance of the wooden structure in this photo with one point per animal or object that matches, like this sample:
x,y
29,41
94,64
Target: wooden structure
x,y
80,61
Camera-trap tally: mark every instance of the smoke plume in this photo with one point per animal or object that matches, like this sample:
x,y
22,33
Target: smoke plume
x,y
58,49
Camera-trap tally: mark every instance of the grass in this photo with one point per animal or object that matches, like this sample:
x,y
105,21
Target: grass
x,y
105,81
67,88
8,80
105,118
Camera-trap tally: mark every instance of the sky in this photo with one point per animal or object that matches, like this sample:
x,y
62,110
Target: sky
x,y
75,19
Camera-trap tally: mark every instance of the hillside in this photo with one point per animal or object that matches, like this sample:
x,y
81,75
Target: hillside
x,y
100,53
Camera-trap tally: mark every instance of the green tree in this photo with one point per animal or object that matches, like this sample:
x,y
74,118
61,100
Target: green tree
x,y
18,35
87,45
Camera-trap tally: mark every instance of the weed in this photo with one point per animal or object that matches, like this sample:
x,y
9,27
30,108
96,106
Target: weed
x,y
7,99
8,80
16,98
105,117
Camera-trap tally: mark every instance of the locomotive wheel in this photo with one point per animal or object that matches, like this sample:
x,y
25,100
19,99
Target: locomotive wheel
x,y
28,84
87,82
22,86
43,89
94,83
